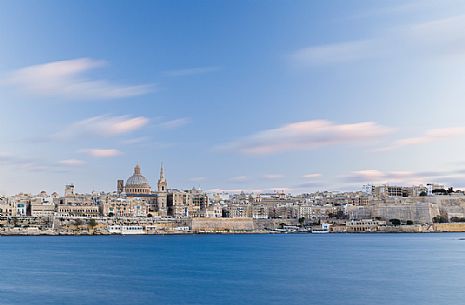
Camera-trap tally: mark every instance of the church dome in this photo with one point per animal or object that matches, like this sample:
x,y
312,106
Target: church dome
x,y
136,180
137,184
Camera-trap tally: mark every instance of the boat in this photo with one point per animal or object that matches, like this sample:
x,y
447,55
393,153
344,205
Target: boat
x,y
324,229
126,230
319,231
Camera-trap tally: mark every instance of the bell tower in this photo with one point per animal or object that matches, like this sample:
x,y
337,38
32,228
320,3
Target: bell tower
x,y
162,185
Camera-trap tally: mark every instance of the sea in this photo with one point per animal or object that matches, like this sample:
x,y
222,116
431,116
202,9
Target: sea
x,y
284,269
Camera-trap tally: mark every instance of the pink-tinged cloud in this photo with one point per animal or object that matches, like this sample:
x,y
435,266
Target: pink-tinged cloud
x,y
307,135
429,136
102,153
104,125
369,174
66,79
398,177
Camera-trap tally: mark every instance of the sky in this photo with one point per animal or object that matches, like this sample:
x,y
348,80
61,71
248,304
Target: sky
x,y
298,96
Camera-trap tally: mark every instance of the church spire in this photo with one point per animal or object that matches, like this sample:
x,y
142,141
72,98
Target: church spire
x,y
162,172
162,184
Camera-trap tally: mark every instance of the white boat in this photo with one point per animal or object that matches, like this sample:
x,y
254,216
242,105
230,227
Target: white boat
x,y
126,230
324,229
319,231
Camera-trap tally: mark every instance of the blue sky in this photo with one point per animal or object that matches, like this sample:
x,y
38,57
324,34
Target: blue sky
x,y
231,95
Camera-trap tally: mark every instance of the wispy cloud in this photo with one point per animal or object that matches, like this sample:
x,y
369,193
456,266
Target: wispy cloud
x,y
312,176
336,52
306,135
31,164
104,125
67,79
176,123
443,37
368,175
102,153
191,71
428,137
402,177
72,162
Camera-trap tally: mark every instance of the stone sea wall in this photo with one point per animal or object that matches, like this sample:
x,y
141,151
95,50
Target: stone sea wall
x,y
222,224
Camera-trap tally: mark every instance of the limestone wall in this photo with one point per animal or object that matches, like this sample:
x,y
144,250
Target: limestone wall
x,y
449,227
417,212
263,224
222,224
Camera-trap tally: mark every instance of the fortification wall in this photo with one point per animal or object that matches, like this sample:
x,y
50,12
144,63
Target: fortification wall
x,y
222,224
449,227
262,224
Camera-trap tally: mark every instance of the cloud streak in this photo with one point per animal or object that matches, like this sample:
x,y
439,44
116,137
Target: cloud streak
x,y
306,135
191,71
72,162
273,176
402,177
67,79
32,164
429,136
312,176
437,38
105,125
176,123
102,153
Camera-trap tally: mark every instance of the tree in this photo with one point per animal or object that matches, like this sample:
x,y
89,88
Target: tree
x,y
77,222
302,221
440,219
440,192
111,214
92,223
338,215
409,222
149,215
423,194
395,221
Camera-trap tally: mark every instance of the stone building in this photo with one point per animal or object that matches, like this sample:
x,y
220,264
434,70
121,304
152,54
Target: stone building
x,y
179,204
78,210
6,208
125,207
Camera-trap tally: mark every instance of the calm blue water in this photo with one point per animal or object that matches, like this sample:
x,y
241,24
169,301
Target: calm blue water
x,y
234,269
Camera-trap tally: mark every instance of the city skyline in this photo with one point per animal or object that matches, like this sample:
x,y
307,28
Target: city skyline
x,y
298,96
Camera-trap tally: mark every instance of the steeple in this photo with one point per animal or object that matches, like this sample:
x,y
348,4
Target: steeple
x,y
162,172
162,185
